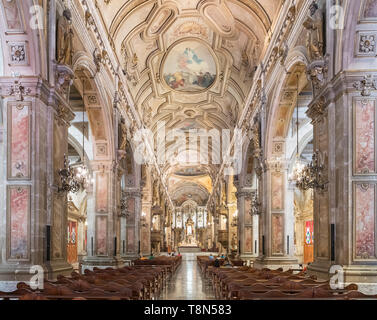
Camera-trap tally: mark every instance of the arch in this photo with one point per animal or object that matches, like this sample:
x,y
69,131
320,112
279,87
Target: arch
x,y
96,104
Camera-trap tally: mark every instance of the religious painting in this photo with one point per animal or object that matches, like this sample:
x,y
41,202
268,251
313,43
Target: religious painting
x,y
364,136
365,221
277,234
18,221
189,67
19,141
101,228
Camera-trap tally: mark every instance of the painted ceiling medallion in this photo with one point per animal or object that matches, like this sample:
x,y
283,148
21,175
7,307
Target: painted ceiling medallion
x,y
189,67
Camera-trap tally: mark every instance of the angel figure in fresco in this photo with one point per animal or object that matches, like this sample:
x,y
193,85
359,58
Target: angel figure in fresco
x,y
65,39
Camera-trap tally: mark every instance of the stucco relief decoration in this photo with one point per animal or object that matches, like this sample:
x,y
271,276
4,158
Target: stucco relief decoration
x,y
191,28
159,21
365,221
18,54
19,133
367,44
365,136
189,67
18,91
366,85
19,198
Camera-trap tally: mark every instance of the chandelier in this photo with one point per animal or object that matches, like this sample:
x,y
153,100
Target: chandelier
x,y
256,206
75,177
312,175
68,180
123,206
298,167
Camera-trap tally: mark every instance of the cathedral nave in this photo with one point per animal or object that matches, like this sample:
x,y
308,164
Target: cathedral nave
x,y
188,150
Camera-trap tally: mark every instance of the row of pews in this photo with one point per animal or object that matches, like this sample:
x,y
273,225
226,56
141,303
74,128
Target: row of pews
x,y
204,262
246,283
171,263
136,282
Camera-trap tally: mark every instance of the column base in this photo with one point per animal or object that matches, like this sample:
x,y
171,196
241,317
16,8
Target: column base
x,y
101,262
11,275
249,258
275,263
320,269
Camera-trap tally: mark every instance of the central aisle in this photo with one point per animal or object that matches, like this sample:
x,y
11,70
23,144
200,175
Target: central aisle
x,y
188,283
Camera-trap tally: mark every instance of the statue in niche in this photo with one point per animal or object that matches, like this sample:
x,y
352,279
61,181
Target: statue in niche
x,y
314,24
65,39
123,135
155,223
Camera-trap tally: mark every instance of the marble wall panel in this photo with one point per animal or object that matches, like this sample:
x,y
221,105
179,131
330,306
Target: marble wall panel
x,y
248,218
277,190
19,222
131,245
131,210
248,238
101,238
13,18
102,185
370,9
364,135
365,223
277,234
19,141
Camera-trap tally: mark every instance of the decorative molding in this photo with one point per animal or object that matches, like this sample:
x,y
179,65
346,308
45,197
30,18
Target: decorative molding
x,y
366,44
366,86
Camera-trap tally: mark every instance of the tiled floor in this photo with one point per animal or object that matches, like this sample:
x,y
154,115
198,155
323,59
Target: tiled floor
x,y
188,284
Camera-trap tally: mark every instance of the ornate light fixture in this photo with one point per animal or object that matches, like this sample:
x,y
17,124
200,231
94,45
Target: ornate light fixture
x,y
67,178
123,206
312,175
75,177
256,206
298,166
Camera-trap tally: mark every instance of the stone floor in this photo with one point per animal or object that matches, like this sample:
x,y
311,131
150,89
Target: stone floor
x,y
188,284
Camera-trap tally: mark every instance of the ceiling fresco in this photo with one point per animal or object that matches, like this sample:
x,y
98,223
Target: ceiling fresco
x,y
189,63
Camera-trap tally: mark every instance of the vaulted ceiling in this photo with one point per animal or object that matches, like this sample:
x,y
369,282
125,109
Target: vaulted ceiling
x,y
189,64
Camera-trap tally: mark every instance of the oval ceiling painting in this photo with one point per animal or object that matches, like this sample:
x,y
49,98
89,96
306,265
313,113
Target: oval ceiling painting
x,y
189,67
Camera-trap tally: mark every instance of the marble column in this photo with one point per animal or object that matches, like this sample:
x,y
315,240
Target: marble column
x,y
103,250
246,227
344,118
29,202
277,216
